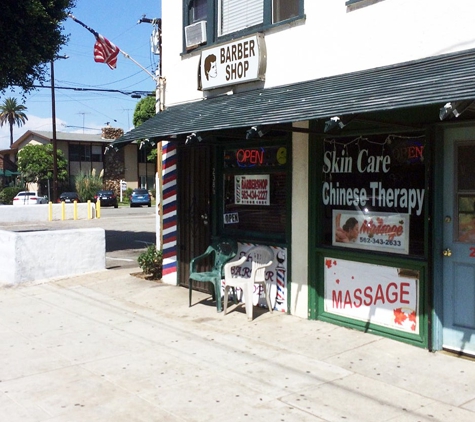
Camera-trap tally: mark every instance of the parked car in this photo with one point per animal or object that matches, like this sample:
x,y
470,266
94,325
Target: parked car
x,y
29,198
140,197
68,197
107,198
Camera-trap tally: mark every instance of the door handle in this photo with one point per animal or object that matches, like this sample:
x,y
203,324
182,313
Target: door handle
x,y
447,252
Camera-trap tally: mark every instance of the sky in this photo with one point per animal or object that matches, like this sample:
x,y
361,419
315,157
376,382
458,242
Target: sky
x,y
88,112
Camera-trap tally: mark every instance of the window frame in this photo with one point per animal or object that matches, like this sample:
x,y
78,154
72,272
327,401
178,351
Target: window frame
x,y
357,4
242,233
212,26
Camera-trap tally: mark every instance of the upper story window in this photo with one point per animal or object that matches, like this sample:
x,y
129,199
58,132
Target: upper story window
x,y
208,20
235,15
198,10
85,153
284,9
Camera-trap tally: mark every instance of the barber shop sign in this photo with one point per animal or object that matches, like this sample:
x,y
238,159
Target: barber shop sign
x,y
240,61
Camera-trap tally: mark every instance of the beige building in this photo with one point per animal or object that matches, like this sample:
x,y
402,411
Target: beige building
x,y
85,153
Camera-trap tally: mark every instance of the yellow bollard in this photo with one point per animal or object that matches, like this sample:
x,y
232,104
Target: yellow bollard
x,y
75,212
98,208
89,209
50,211
63,211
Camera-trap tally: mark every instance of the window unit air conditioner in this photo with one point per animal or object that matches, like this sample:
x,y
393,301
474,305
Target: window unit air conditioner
x,y
195,34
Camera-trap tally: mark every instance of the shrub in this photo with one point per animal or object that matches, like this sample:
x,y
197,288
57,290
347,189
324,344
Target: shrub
x,y
87,184
151,262
7,194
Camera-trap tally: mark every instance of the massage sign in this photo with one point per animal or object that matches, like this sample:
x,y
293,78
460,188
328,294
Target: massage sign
x,y
237,62
373,194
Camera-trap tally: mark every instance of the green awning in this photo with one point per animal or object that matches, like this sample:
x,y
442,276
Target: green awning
x,y
429,81
8,173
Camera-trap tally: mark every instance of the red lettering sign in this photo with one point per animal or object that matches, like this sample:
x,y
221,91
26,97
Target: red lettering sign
x,y
250,156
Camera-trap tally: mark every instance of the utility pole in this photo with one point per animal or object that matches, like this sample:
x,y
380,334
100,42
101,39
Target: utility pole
x,y
55,144
159,107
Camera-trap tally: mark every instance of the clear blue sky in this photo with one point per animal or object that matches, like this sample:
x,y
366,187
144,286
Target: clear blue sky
x,y
89,111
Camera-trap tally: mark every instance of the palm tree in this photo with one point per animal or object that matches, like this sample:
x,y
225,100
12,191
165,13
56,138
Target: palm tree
x,y
12,113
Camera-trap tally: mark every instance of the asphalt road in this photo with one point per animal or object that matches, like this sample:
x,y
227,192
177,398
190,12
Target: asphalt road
x,y
128,232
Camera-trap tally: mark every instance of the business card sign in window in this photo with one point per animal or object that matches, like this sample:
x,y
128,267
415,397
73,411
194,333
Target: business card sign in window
x,y
252,190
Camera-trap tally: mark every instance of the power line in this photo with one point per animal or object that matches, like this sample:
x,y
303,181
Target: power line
x,y
131,93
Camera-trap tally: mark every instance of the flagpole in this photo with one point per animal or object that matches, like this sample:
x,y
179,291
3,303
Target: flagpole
x,y
126,55
96,34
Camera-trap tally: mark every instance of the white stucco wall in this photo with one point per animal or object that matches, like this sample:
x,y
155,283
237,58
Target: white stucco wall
x,y
331,40
299,283
40,212
41,255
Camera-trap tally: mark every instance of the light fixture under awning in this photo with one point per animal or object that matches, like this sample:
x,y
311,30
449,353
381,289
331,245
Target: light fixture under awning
x,y
421,82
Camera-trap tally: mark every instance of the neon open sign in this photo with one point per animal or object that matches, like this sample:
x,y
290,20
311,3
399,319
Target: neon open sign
x,y
250,157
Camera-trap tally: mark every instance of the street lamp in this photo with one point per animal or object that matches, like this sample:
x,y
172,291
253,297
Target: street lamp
x,y
55,146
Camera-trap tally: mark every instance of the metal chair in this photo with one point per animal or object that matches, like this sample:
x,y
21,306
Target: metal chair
x,y
261,257
220,252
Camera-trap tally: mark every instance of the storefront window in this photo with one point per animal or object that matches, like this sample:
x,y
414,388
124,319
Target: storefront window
x,y
466,193
373,193
255,191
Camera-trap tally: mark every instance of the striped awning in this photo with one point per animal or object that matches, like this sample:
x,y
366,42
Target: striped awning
x,y
429,81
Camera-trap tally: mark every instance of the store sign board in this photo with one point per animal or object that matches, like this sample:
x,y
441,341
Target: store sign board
x,y
377,231
236,62
378,182
376,294
252,189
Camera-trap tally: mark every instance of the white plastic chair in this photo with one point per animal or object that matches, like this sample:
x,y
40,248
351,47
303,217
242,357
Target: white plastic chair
x,y
261,257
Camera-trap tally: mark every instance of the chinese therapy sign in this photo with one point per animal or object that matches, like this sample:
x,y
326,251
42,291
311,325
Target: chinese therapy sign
x,y
252,190
373,193
375,294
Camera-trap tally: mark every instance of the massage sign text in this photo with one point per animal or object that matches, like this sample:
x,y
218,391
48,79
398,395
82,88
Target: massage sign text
x,y
376,294
372,195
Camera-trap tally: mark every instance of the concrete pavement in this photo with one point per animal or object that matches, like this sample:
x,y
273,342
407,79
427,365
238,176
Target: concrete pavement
x,y
109,346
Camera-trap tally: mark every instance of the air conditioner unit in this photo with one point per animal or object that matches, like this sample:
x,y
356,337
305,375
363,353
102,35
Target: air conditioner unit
x,y
195,34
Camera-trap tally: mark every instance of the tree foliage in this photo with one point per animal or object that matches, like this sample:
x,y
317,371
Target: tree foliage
x,y
31,36
12,113
35,163
144,109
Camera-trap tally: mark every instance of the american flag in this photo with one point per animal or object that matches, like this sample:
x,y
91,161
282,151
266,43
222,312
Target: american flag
x,y
105,51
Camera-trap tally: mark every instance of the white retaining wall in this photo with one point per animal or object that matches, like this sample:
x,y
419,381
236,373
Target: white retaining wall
x,y
40,212
38,255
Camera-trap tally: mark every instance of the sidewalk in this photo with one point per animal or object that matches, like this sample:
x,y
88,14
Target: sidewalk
x,y
112,347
